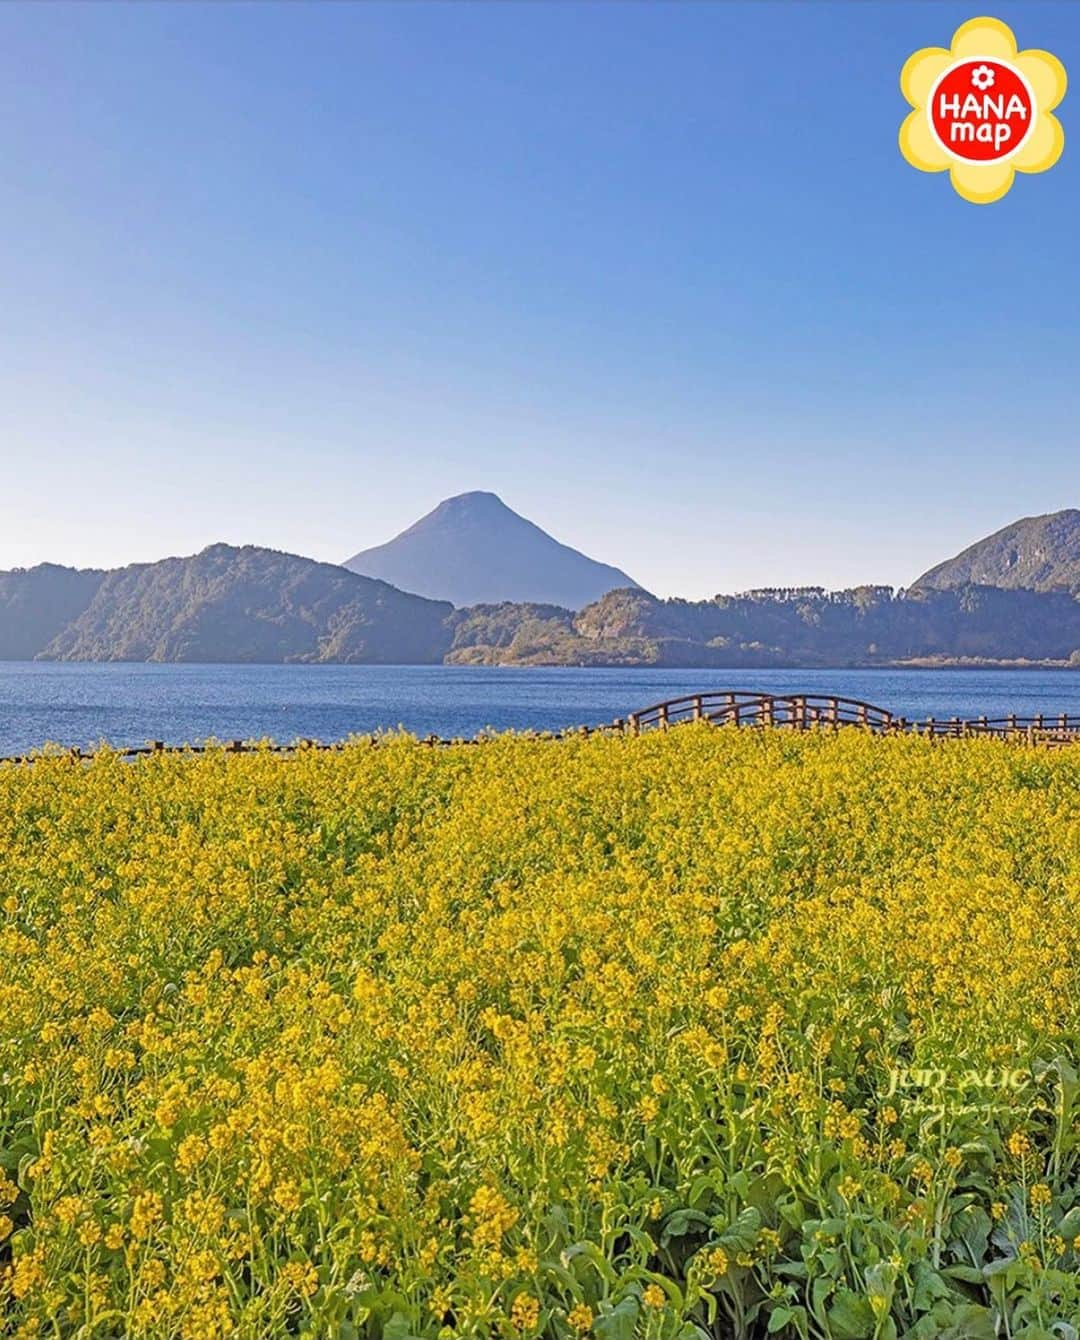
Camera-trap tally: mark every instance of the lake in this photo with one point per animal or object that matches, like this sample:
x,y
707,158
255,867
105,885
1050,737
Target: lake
x,y
83,705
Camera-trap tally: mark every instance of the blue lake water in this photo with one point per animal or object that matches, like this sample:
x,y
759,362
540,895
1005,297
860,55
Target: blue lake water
x,y
129,704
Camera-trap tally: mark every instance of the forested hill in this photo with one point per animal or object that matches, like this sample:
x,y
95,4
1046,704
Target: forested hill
x,y
865,626
249,604
1041,552
37,604
234,604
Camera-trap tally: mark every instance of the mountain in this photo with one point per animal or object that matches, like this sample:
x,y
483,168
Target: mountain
x,y
474,550
1041,552
249,604
36,604
868,625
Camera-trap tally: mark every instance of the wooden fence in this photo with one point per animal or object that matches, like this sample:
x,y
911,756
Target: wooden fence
x,y
800,711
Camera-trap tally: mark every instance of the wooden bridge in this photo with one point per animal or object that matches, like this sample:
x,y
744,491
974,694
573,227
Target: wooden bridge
x,y
816,711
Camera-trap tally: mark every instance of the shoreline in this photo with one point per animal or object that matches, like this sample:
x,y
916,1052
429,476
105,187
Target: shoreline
x,y
911,663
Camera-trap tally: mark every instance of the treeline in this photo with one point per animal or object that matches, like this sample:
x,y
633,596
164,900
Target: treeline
x,y
257,605
869,625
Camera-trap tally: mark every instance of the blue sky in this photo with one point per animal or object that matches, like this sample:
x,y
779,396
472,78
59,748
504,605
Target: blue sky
x,y
657,274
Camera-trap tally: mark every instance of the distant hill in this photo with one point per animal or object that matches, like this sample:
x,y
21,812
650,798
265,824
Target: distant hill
x,y
474,550
1040,552
865,626
250,604
37,604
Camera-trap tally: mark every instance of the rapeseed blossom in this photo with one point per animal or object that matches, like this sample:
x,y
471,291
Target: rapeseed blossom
x,y
604,1036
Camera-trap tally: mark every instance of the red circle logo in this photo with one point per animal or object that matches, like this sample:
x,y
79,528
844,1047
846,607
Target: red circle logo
x,y
981,110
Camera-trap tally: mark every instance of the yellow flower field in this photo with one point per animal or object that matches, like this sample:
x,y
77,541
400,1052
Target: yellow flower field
x,y
712,1033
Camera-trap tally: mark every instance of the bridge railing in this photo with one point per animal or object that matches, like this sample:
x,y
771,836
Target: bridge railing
x,y
740,708
808,711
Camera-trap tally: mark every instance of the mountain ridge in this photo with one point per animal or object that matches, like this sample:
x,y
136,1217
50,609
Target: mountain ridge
x,y
248,603
37,603
1041,553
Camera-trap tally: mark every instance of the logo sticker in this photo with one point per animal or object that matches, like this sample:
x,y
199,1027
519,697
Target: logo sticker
x,y
982,110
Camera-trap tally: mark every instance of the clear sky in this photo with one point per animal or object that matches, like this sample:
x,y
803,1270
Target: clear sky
x,y
288,274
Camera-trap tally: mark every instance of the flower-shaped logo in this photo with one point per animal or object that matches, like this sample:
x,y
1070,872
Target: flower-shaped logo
x,y
982,77
982,110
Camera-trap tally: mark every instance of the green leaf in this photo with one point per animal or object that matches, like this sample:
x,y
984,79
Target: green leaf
x,y
557,1226
553,1270
681,1222
743,1233
969,1274
972,1227
779,1318
689,1331
851,1317
619,1323
929,1287
642,1240
594,1256
398,1328
700,1189
819,1291
948,1322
